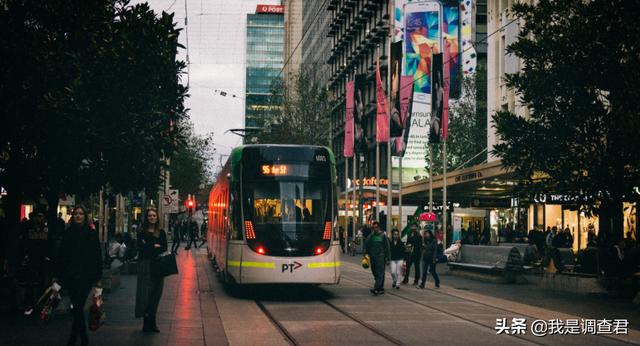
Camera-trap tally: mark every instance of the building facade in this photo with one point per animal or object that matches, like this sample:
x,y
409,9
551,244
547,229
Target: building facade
x,y
264,60
293,10
316,45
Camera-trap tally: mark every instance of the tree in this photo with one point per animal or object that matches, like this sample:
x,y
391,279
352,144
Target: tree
x,y
298,112
467,131
191,165
91,97
581,84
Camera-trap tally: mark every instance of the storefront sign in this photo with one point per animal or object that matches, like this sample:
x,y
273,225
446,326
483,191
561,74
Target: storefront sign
x,y
491,203
468,177
371,181
558,199
270,9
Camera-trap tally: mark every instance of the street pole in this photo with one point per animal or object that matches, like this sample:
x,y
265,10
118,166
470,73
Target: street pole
x,y
353,186
360,187
377,182
391,20
400,193
346,199
430,178
444,193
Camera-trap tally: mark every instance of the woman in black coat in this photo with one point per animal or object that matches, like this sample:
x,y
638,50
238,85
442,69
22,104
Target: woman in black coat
x,y
79,268
152,241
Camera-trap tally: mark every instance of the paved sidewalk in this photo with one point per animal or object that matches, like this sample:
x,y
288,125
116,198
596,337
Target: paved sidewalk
x,y
187,314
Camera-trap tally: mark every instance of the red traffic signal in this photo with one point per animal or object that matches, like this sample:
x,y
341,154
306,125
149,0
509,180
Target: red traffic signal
x,y
189,203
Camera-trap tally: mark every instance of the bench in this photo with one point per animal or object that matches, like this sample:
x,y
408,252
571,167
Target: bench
x,y
490,258
520,246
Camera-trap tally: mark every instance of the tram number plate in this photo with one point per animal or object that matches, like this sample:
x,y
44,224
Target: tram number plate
x,y
290,267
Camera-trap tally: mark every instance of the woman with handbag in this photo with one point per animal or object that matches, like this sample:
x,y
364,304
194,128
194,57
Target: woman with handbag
x,y
152,241
79,268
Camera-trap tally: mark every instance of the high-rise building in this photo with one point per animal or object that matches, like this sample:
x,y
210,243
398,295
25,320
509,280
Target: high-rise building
x,y
316,45
264,60
292,37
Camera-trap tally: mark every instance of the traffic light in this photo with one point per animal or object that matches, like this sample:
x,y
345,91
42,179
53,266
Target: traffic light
x,y
190,204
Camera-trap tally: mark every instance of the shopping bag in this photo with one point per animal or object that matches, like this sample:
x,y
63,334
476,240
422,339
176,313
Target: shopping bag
x,y
96,311
404,268
50,303
164,265
365,262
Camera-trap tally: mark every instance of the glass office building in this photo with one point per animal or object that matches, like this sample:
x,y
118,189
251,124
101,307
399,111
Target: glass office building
x,y
264,61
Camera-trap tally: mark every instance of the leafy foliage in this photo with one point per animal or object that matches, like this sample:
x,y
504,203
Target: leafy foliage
x,y
298,112
92,95
191,165
581,84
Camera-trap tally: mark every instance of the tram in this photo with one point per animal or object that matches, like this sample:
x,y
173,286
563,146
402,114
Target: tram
x,y
272,214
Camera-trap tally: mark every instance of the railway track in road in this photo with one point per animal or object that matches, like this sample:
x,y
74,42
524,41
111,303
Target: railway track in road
x,y
460,316
293,341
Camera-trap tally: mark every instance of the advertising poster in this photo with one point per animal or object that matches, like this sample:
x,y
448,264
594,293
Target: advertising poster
x,y
348,126
437,99
359,111
451,38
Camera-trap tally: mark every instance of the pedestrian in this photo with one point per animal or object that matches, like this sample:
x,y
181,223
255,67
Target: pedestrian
x,y
377,247
397,256
152,241
203,233
79,268
414,251
190,229
429,250
177,237
341,238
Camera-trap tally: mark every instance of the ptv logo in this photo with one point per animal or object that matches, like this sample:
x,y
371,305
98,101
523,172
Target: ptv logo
x,y
291,266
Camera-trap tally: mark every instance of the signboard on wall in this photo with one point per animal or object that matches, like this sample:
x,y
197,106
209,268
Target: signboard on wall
x,y
273,9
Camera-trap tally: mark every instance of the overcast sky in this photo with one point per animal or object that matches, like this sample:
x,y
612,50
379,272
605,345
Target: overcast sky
x,y
216,31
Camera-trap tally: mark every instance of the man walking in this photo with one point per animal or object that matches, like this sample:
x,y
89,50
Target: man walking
x,y
377,247
191,229
177,237
414,249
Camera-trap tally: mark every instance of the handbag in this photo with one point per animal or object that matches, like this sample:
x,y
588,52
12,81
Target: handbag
x,y
164,265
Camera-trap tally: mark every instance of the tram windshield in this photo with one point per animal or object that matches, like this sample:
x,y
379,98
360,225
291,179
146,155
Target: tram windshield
x,y
288,216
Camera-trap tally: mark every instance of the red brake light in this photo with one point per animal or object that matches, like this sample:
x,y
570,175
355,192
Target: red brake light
x,y
327,231
261,250
249,231
319,250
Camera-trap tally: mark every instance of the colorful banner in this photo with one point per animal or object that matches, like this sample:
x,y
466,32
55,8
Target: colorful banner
x,y
422,33
348,125
447,87
396,72
469,56
406,98
451,44
437,99
359,123
382,113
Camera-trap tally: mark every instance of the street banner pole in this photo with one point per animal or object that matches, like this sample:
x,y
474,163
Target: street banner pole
x,y
390,11
430,178
444,194
400,225
346,199
353,187
377,209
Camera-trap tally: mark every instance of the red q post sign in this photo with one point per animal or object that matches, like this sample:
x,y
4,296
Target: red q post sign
x,y
275,9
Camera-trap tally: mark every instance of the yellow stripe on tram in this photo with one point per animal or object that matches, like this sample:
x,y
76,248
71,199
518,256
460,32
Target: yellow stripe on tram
x,y
324,264
269,265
